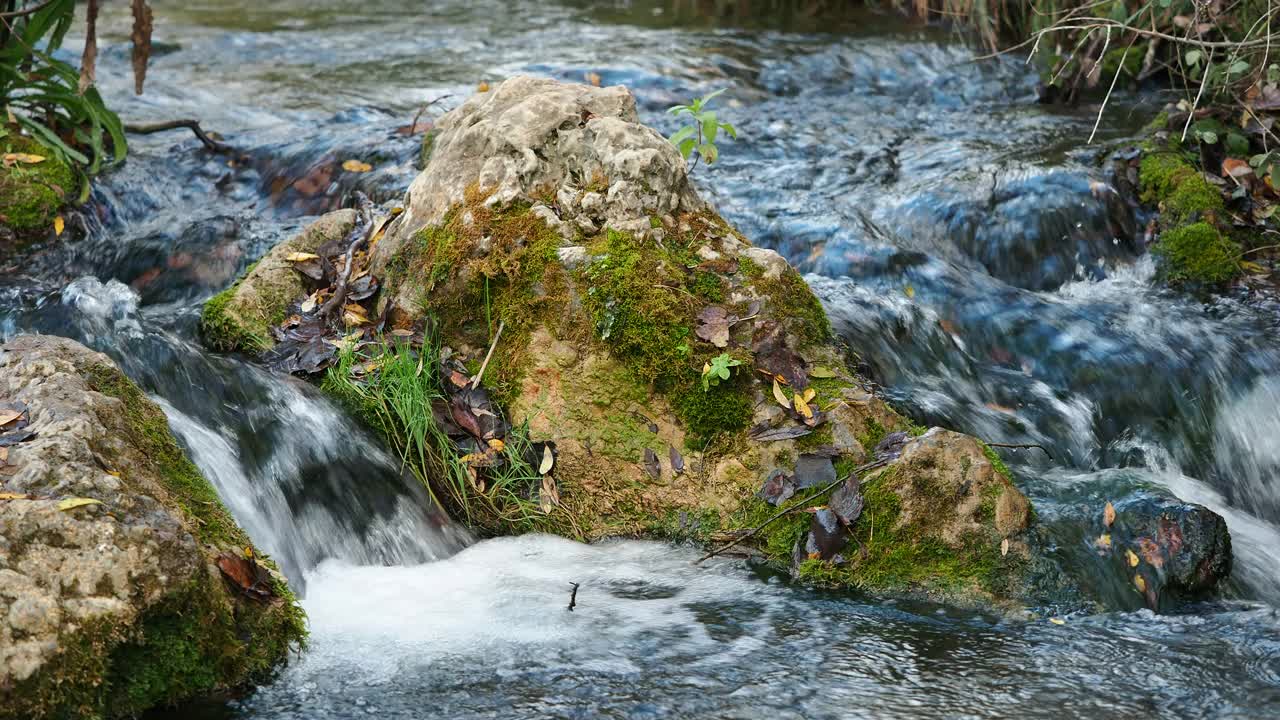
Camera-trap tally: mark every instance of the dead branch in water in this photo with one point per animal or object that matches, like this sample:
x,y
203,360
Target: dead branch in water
x,y
192,125
359,237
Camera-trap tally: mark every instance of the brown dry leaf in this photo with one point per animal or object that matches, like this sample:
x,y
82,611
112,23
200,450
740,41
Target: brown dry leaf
x,y
59,225
482,87
8,415
1004,547
1132,558
353,320
1108,514
593,79
550,496
75,502
4,455
301,257
1236,168
497,445
1140,583
356,166
780,396
548,460
141,37
311,302
11,159
89,58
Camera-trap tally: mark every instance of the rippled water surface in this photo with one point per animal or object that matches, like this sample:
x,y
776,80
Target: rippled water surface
x,y
965,240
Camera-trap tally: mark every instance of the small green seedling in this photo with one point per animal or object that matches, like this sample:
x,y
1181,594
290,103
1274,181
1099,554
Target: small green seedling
x,y
701,133
720,368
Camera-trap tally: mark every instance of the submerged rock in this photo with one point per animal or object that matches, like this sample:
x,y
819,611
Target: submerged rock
x,y
554,248
111,601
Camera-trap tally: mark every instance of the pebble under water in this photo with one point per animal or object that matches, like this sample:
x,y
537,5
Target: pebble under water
x,y
961,236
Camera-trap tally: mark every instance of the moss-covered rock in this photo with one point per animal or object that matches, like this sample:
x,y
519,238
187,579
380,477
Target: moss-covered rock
x,y
1192,248
116,606
31,194
242,316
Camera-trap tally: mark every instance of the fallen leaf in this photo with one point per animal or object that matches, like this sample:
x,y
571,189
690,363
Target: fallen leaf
x,y
1132,558
677,460
59,225
910,291
821,372
1057,621
11,159
1236,168
8,415
354,320
651,464
847,501
309,305
777,488
497,445
301,257
548,460
549,496
1104,541
826,535
1108,514
809,395
768,434
1004,547
4,455
72,503
13,496
891,445
802,407
356,166
482,87
1140,583
247,576
593,79
780,396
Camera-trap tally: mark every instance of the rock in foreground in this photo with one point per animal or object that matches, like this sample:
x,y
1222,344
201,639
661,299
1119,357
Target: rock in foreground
x,y
111,596
661,376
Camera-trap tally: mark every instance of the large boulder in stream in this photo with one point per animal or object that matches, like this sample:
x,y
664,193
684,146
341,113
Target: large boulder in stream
x,y
567,339
123,580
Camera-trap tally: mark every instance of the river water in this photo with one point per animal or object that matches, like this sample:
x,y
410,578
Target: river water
x,y
962,237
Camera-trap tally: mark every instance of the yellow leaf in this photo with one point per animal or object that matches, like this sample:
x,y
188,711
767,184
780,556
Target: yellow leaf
x,y
25,158
594,79
1104,541
1252,268
482,87
353,320
13,496
59,225
356,166
114,473
910,291
1057,621
72,503
808,394
1140,583
780,396
822,372
1133,559
802,407
548,460
301,257
1004,547
497,444
248,552
1108,514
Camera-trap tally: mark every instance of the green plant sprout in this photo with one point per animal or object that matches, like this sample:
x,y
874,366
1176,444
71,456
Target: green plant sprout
x,y
720,368
701,132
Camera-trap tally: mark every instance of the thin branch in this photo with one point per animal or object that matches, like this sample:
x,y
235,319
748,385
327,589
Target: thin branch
x,y
475,382
1098,121
1203,81
192,125
27,11
800,505
359,237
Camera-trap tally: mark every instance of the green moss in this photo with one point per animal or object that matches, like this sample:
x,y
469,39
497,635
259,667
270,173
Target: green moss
x,y
996,461
725,408
1161,172
223,331
874,433
31,194
819,437
793,302
1197,254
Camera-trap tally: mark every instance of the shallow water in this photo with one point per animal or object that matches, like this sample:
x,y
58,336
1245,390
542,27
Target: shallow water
x,y
965,244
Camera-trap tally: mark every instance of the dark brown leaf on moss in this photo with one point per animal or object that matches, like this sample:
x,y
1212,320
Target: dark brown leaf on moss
x,y
827,536
813,470
847,501
890,447
362,288
778,488
246,576
677,460
713,325
775,357
651,464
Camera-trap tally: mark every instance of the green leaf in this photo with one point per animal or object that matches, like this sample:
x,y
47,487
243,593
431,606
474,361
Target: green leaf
x,y
686,147
707,98
677,109
1209,137
709,126
49,139
733,133
1238,67
708,152
1193,57
680,135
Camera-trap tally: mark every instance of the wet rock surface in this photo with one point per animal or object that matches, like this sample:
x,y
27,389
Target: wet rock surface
x,y
109,598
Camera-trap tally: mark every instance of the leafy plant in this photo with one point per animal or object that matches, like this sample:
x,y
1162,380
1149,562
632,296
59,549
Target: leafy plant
x,y
701,132
49,99
720,368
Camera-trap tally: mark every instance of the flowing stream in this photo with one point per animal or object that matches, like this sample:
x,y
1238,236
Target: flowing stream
x,y
966,244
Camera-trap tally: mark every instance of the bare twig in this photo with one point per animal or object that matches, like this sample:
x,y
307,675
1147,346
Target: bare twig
x,y
359,237
475,381
573,597
1259,249
798,506
192,125
27,11
1203,81
1098,121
